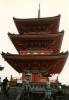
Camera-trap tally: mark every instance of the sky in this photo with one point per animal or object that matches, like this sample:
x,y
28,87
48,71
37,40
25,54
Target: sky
x,y
29,9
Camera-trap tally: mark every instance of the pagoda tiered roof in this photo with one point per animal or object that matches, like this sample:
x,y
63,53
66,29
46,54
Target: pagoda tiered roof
x,y
48,24
53,64
37,42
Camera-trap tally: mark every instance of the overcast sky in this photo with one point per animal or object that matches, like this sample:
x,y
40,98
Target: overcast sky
x,y
29,9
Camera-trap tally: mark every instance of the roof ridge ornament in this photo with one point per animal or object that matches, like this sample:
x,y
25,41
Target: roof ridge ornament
x,y
39,11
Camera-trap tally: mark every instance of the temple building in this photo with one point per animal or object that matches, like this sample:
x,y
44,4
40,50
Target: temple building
x,y
39,58
38,44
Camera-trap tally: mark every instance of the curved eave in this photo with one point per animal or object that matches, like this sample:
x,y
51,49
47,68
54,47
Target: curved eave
x,y
16,39
36,35
53,63
26,25
35,56
37,19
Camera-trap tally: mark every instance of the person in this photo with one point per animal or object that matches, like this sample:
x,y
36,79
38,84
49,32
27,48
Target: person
x,y
4,86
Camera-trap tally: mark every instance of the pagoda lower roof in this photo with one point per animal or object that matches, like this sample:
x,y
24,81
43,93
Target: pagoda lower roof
x,y
49,24
38,41
51,63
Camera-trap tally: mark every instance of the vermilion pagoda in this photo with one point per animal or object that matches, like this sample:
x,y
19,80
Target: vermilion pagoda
x,y
38,44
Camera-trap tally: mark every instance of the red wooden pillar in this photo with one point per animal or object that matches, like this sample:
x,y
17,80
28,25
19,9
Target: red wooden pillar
x,y
23,76
35,77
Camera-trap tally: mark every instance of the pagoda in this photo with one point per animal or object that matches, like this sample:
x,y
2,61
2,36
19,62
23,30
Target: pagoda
x,y
38,44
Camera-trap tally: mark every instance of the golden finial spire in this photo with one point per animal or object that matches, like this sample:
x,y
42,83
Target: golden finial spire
x,y
39,11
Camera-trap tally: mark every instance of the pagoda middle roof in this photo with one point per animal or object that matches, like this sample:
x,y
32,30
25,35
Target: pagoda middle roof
x,y
35,35
48,24
25,41
51,63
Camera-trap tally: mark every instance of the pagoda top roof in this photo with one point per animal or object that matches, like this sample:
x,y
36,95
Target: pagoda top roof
x,y
51,63
37,19
49,24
